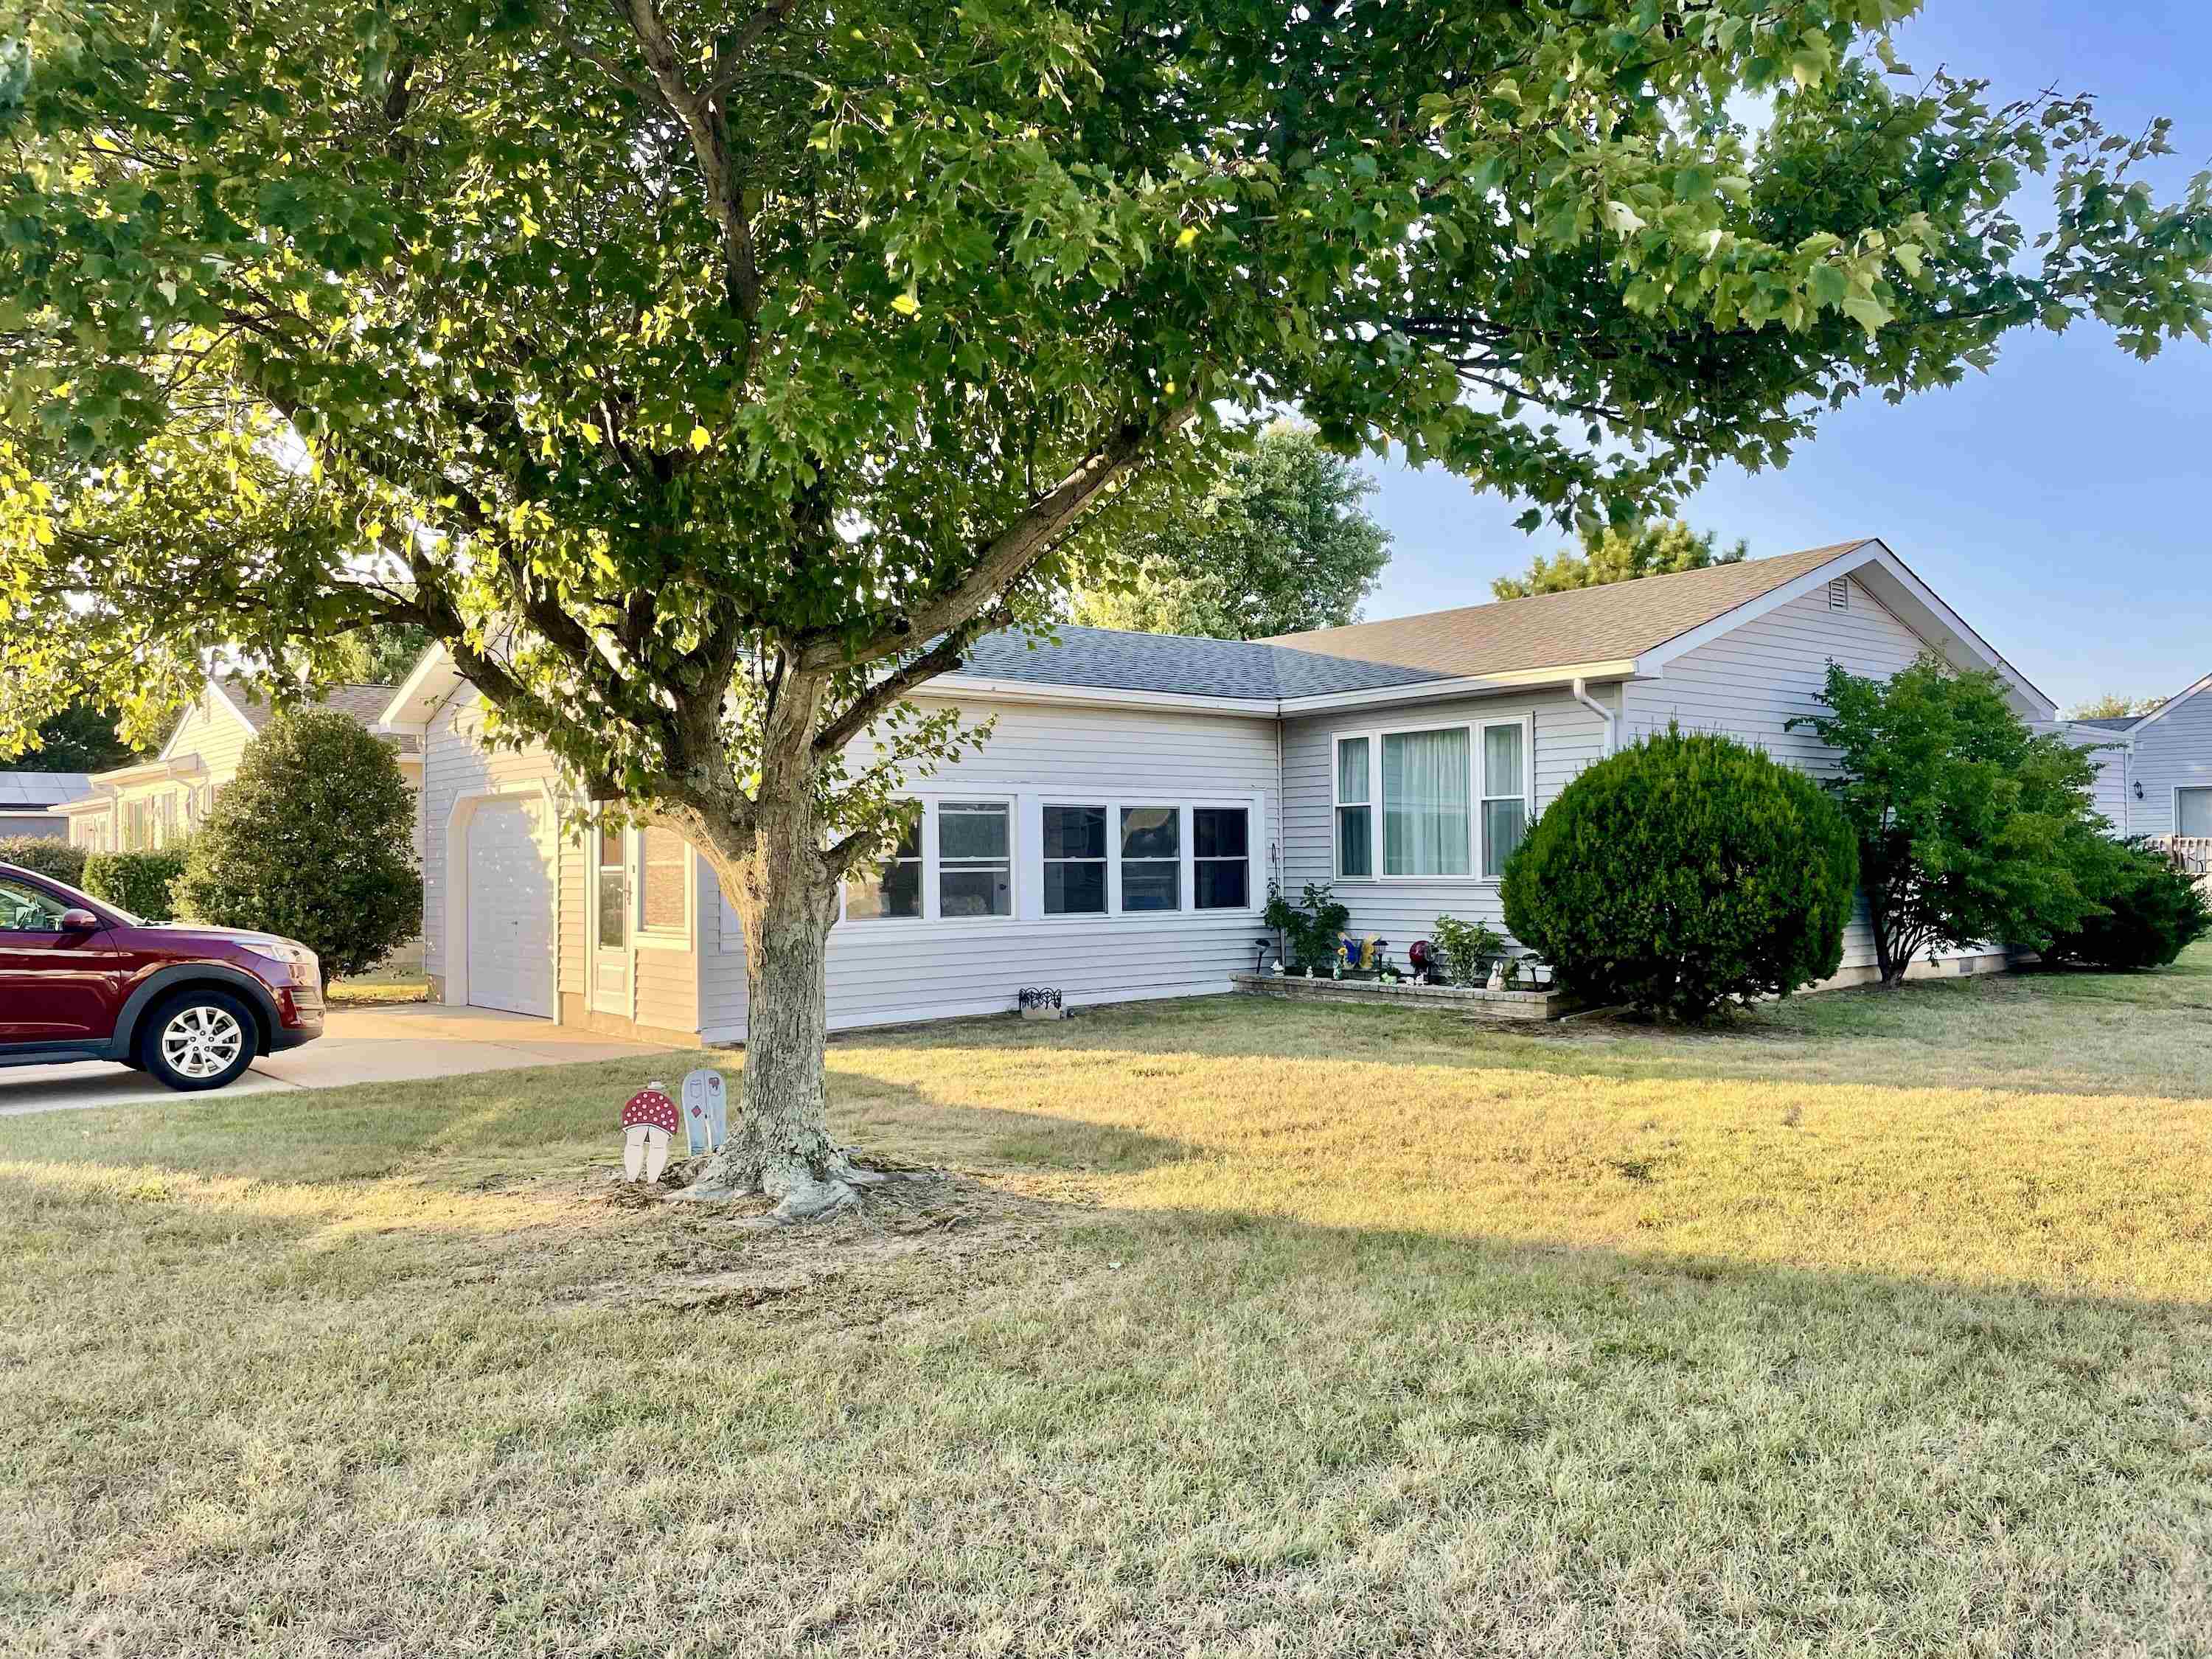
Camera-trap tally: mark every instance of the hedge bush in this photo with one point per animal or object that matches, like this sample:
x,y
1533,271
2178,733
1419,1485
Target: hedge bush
x,y
1686,872
2152,910
141,883
44,856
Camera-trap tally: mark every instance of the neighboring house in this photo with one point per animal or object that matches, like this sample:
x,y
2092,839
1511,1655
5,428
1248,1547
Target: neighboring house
x,y
1116,833
2160,764
153,803
30,802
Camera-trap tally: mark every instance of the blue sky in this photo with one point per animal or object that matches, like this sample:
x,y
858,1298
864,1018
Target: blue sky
x,y
2059,502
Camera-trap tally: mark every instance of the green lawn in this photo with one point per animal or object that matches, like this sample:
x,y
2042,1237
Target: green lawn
x,y
1881,1323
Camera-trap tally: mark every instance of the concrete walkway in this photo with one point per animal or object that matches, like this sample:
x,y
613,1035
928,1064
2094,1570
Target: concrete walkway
x,y
358,1045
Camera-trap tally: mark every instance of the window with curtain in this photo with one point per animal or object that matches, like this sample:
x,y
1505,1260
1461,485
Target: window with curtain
x,y
1425,803
892,893
1075,861
974,859
1505,794
2193,813
1221,858
660,906
1152,858
613,889
1355,814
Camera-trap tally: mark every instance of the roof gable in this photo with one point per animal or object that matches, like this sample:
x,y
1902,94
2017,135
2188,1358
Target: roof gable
x,y
2172,703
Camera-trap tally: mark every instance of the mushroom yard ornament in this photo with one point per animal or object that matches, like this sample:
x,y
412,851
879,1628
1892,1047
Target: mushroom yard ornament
x,y
647,1120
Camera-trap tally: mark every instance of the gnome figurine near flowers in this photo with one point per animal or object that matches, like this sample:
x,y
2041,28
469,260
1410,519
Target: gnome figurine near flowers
x,y
649,1120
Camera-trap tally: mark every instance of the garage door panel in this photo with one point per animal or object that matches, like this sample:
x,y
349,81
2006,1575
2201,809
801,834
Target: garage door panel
x,y
510,908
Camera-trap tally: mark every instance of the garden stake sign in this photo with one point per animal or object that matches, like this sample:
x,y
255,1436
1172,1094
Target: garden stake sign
x,y
706,1114
649,1120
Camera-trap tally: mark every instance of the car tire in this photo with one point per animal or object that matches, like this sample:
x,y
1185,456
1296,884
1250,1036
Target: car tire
x,y
198,1039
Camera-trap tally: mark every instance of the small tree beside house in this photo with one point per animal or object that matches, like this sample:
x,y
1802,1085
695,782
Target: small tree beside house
x,y
311,840
1971,828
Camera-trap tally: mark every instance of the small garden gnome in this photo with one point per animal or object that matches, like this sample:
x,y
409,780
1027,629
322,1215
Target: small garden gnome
x,y
649,1120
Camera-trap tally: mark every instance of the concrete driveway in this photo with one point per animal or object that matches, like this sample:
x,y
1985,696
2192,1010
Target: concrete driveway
x,y
358,1045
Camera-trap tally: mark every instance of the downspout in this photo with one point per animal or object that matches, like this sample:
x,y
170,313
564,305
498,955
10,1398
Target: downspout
x,y
1581,692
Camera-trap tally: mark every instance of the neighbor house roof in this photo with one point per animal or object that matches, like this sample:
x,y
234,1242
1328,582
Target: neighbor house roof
x,y
1107,658
365,703
2109,722
1588,625
35,791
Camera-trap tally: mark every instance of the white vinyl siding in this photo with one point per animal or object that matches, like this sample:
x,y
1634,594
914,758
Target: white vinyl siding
x,y
2171,754
1749,683
1041,755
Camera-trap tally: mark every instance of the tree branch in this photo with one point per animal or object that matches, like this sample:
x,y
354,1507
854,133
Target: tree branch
x,y
1004,559
940,659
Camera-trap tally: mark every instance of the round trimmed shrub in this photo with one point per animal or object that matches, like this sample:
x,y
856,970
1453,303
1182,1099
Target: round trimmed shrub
x,y
1687,871
2152,910
44,856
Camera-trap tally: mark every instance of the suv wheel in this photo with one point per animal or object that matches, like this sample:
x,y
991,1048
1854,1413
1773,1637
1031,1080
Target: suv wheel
x,y
200,1040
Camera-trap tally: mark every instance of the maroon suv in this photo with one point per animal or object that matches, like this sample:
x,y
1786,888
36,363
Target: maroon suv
x,y
82,980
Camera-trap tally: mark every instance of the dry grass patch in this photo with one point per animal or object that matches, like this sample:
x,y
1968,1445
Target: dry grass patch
x,y
1876,1327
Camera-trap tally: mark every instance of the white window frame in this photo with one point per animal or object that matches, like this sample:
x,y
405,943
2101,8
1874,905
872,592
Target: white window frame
x,y
1110,890
931,898
2179,790
1374,735
1191,861
1337,803
660,939
933,857
1026,803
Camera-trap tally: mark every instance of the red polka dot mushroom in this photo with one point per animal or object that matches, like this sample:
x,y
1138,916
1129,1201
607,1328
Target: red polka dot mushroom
x,y
649,1119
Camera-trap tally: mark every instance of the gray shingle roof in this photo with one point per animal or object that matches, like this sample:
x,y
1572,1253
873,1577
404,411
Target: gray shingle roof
x,y
2111,722
1106,658
39,790
365,703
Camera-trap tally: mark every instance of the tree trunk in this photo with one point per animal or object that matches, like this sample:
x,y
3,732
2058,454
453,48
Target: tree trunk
x,y
786,901
1890,974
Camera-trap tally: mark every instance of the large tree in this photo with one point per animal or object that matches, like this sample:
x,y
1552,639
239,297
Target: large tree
x,y
1621,553
707,374
1283,543
80,737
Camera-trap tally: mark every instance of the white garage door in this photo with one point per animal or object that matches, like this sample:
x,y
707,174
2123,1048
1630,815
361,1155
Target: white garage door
x,y
510,942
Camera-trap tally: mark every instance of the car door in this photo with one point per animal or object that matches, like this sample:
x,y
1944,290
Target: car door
x,y
55,986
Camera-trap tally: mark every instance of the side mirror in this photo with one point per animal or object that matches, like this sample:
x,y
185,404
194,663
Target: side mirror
x,y
79,921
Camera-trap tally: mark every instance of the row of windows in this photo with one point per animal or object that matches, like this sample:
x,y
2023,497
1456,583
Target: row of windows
x,y
1454,799
957,860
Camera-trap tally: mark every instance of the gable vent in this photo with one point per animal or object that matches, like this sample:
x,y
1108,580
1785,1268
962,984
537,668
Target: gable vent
x,y
1839,594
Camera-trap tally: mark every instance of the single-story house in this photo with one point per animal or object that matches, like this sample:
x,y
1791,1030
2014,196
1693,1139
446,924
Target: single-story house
x,y
1116,836
151,803
2160,765
30,802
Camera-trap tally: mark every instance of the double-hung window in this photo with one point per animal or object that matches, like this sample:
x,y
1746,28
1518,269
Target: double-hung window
x,y
1355,811
892,892
1504,793
1074,861
1152,858
974,859
1452,801
1221,858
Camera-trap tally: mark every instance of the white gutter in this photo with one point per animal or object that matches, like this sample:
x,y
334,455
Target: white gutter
x,y
1579,689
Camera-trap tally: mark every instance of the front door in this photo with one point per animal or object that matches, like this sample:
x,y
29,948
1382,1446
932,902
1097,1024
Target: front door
x,y
55,987
612,963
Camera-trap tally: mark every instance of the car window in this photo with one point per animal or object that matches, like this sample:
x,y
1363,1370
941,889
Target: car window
x,y
25,910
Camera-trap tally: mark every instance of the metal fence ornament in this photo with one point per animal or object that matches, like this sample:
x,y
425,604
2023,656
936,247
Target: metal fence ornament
x,y
648,1121
706,1112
